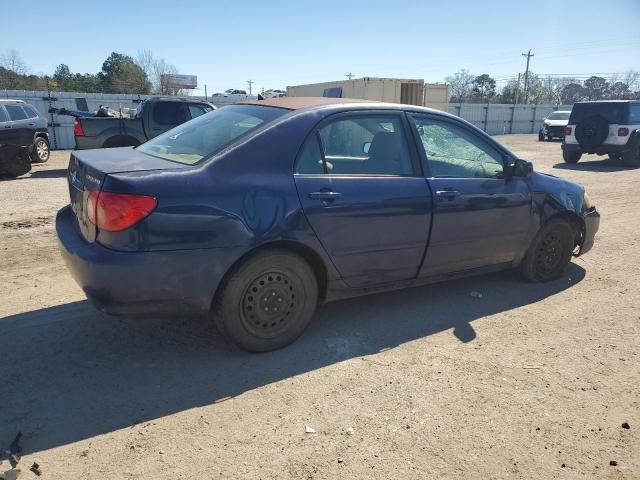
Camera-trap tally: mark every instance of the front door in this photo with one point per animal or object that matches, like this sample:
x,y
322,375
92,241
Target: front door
x,y
363,193
480,218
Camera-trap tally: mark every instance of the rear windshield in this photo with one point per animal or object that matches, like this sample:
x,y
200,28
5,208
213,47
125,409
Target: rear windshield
x,y
612,112
559,116
209,133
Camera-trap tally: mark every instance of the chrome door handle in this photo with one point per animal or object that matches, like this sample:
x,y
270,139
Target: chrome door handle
x,y
328,195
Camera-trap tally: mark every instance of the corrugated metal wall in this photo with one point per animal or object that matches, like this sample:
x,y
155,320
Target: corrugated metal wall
x,y
499,119
495,119
61,126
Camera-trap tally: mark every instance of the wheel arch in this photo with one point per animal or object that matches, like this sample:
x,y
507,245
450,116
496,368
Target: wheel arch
x,y
120,141
575,221
307,253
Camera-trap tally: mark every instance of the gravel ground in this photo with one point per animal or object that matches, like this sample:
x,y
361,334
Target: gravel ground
x,y
528,381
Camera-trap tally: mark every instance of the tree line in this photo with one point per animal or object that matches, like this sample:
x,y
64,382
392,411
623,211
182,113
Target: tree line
x,y
120,73
464,87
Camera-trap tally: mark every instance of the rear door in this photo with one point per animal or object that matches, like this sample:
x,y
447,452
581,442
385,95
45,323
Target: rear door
x,y
164,116
362,190
480,219
8,134
21,131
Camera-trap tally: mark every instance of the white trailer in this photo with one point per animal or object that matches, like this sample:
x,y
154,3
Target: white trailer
x,y
394,90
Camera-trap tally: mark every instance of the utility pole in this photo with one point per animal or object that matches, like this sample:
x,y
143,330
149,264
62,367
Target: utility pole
x,y
250,82
349,75
526,76
517,90
205,93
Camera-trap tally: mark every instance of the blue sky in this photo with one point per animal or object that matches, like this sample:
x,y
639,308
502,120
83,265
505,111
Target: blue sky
x,y
279,43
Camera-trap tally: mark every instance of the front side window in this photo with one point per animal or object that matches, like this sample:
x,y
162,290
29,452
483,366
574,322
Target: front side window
x,y
195,109
16,112
454,152
363,145
192,141
169,113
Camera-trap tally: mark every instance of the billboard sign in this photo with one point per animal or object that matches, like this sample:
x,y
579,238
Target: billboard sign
x,y
180,81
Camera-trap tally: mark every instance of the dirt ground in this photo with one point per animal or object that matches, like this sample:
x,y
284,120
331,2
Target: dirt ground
x,y
527,381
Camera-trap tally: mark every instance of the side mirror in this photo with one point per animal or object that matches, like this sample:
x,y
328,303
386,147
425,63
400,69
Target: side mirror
x,y
365,147
522,168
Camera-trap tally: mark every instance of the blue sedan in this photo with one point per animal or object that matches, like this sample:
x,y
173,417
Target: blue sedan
x,y
257,212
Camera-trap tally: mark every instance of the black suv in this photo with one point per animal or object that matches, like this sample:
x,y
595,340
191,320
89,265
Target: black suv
x,y
610,127
23,137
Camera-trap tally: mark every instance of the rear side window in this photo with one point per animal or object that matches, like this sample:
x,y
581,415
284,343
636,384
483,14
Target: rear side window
x,y
613,112
634,113
3,115
16,112
31,111
364,145
169,113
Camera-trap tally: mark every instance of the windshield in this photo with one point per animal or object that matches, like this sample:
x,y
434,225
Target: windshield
x,y
559,116
209,133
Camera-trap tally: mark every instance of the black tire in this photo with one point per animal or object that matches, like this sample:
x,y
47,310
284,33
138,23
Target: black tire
x,y
267,301
40,152
540,137
632,157
571,157
592,131
549,253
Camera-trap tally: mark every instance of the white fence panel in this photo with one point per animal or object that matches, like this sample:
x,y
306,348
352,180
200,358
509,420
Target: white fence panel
x,y
498,119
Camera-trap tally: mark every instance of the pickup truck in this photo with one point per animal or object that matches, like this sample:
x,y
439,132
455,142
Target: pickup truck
x,y
153,116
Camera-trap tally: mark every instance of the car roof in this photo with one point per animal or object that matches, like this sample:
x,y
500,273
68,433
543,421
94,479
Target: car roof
x,y
296,103
11,100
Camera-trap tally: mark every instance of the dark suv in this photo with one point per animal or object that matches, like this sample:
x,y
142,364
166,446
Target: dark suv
x,y
23,137
610,127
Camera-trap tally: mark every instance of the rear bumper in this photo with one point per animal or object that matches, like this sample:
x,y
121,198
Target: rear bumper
x,y
591,225
600,150
135,283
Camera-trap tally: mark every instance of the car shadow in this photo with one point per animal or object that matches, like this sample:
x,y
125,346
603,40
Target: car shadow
x,y
53,173
595,166
71,373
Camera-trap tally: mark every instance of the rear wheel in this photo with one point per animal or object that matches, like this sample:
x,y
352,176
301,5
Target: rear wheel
x,y
267,302
571,157
40,153
550,252
632,157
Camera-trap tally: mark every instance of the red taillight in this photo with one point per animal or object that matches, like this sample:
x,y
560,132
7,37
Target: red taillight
x,y
567,131
114,212
78,131
623,132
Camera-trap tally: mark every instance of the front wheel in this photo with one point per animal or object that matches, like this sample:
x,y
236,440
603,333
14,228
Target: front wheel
x,y
550,252
571,157
267,302
540,136
40,153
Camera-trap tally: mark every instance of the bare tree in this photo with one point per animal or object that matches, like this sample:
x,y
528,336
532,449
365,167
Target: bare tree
x,y
632,79
460,84
156,70
12,60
